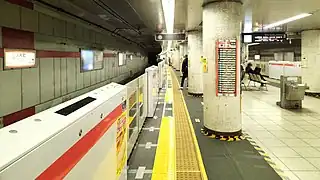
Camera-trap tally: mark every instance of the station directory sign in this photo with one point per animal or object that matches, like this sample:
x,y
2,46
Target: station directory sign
x,y
226,67
170,37
264,37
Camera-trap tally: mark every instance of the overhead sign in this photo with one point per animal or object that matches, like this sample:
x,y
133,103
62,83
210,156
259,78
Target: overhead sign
x,y
264,37
170,37
19,58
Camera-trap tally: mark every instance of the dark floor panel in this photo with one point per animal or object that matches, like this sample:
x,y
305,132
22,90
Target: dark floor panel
x,y
228,160
142,157
150,122
149,136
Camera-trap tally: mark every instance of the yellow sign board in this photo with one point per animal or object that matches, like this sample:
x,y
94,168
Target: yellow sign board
x,y
204,64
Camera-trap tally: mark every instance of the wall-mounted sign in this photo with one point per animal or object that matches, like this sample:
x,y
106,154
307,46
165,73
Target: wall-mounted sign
x,y
91,60
204,64
226,67
264,37
19,58
170,37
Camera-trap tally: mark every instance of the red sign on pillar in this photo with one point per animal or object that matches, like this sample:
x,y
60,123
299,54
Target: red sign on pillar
x,y
226,67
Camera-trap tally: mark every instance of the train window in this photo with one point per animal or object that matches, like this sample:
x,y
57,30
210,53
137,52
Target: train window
x,y
75,106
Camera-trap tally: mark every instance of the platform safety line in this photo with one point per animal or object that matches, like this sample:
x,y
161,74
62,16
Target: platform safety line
x,y
266,157
198,152
164,167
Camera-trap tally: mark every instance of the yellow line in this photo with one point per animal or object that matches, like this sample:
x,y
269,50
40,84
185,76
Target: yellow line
x,y
199,157
164,167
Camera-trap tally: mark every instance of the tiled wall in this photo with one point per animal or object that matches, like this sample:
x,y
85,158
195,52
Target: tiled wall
x,y
57,77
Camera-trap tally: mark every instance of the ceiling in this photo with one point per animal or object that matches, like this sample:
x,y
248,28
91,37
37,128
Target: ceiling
x,y
139,20
125,19
269,11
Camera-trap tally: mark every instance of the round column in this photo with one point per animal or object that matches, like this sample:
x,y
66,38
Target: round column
x,y
195,82
310,46
221,21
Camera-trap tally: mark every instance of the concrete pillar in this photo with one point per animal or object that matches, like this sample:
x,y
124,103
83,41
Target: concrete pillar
x,y
222,114
310,59
195,65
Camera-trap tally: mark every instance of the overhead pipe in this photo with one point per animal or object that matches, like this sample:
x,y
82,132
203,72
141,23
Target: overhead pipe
x,y
116,15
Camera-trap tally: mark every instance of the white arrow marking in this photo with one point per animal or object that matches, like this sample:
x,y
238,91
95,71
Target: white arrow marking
x,y
197,120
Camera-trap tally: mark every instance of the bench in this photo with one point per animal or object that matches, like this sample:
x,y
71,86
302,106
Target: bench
x,y
257,79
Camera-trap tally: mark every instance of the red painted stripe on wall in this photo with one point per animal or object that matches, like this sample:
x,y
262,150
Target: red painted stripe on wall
x,y
17,39
64,164
57,54
24,3
1,53
109,55
17,116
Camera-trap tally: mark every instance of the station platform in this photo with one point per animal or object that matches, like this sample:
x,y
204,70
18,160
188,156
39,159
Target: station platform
x,y
276,143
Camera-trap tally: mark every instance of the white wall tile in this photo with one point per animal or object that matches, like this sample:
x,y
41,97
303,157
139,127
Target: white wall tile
x,y
93,77
57,77
71,75
10,15
29,20
86,79
30,87
46,79
103,72
10,91
71,29
59,28
98,73
79,75
45,24
63,75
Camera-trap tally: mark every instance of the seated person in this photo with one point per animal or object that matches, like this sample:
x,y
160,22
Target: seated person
x,y
249,69
257,71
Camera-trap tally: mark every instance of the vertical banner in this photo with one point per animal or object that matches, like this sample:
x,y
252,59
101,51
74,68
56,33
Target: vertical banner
x,y
122,128
226,67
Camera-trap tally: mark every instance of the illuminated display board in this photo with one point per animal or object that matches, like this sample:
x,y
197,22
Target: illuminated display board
x,y
19,58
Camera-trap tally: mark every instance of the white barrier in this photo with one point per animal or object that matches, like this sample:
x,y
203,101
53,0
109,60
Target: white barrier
x,y
286,68
152,90
84,138
88,137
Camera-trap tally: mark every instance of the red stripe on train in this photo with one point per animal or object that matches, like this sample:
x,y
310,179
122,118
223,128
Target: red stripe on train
x,y
282,64
65,163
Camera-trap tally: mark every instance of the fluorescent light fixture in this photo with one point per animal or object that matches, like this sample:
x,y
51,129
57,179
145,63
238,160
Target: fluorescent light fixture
x,y
285,21
253,44
168,9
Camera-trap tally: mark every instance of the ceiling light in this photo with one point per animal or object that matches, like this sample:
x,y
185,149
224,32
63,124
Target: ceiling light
x,y
285,21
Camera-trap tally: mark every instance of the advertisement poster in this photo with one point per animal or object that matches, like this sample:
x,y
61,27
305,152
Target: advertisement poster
x,y
122,141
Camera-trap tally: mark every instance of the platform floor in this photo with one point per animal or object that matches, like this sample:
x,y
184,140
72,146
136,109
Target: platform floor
x,y
279,144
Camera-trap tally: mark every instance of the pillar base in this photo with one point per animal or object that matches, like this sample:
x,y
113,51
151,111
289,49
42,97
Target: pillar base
x,y
223,136
195,94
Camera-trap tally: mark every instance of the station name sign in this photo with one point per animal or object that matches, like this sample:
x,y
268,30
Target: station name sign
x,y
264,37
170,37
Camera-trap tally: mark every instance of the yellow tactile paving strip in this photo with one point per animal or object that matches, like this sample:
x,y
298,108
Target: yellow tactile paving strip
x,y
165,158
189,165
178,156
